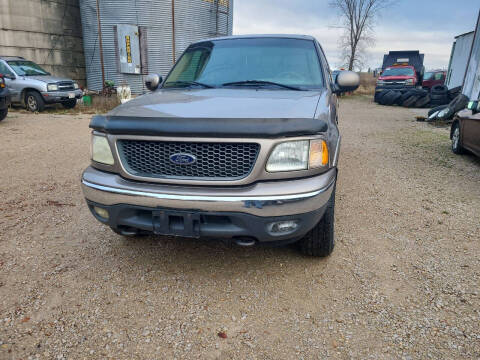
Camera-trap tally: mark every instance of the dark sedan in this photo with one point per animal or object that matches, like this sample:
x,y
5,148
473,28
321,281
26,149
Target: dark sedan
x,y
465,132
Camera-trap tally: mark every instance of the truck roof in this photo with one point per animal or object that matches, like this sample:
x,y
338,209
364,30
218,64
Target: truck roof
x,y
11,57
260,36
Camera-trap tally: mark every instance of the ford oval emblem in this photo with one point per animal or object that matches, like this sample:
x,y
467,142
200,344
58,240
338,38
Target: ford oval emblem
x,y
183,159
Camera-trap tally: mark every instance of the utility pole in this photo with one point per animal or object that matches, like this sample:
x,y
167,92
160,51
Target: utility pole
x,y
100,44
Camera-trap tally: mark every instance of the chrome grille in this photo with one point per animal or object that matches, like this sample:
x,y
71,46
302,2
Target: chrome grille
x,y
65,85
214,161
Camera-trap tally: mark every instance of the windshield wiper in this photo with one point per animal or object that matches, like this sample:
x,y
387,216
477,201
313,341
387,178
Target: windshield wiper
x,y
188,83
261,82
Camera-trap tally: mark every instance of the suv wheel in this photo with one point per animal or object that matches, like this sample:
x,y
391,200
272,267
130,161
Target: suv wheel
x,y
34,101
320,241
69,104
3,114
456,147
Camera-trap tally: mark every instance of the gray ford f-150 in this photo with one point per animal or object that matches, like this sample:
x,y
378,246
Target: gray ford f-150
x,y
239,142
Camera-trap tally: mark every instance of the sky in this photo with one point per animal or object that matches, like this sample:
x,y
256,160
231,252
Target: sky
x,y
426,25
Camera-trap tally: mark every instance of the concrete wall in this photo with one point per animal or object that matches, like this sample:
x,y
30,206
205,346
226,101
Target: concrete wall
x,y
49,32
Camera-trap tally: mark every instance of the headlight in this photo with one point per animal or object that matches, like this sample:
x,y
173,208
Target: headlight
x,y
381,82
101,150
52,87
409,82
298,155
75,85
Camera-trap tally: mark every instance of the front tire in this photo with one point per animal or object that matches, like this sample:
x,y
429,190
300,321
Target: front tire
x,y
320,241
456,146
34,102
3,114
69,104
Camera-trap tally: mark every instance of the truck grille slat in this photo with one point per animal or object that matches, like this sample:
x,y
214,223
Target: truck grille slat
x,y
214,161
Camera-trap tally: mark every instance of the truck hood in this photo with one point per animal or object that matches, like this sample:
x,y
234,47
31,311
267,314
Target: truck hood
x,y
48,78
218,112
395,77
222,103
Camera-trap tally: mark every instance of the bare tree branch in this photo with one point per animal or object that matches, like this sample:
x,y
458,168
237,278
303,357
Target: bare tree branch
x,y
357,20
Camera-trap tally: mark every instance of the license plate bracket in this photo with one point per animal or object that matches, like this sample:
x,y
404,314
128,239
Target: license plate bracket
x,y
176,223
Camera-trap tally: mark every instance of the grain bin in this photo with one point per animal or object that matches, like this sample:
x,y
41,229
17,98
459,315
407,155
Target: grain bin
x,y
139,37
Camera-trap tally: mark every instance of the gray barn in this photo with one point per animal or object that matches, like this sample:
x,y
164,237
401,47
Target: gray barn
x,y
146,36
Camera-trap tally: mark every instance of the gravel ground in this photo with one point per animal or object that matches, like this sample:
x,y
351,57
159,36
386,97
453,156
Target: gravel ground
x,y
401,283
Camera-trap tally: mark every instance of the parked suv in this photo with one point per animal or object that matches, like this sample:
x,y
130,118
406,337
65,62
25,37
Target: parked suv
x,y
4,99
33,87
240,141
432,78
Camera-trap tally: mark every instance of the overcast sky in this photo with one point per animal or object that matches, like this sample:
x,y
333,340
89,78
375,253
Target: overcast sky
x,y
426,25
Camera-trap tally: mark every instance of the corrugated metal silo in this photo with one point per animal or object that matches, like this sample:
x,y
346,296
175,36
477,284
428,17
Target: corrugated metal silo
x,y
156,28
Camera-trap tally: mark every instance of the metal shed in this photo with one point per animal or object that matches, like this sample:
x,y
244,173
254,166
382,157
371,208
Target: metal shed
x,y
471,85
459,59
139,37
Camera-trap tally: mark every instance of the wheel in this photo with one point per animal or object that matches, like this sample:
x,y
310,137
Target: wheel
x,y
423,102
436,109
69,104
439,90
456,147
396,98
34,101
3,114
320,241
406,96
410,102
459,103
381,94
389,98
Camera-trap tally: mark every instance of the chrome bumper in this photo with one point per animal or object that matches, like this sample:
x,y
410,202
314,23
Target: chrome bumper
x,y
274,198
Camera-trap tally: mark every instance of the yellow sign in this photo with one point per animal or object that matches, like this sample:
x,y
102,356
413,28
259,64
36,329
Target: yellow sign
x,y
129,49
225,3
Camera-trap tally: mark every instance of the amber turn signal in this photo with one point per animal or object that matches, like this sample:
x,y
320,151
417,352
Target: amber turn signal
x,y
318,154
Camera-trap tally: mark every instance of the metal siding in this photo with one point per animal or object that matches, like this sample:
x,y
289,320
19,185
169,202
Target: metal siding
x,y
194,20
459,60
471,85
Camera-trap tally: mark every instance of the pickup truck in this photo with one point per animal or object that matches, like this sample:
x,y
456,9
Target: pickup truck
x,y
239,142
401,71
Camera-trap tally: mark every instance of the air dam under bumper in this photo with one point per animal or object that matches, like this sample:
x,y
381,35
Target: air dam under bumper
x,y
220,212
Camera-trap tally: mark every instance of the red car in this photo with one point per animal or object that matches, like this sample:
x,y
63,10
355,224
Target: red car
x,y
432,78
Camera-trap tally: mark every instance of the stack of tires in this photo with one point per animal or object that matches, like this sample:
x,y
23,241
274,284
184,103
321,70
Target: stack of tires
x,y
412,98
439,95
446,112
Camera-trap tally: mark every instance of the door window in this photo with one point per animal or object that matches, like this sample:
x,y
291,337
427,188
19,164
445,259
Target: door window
x,y
4,70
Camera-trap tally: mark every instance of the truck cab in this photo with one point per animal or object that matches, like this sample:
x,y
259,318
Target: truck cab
x,y
402,75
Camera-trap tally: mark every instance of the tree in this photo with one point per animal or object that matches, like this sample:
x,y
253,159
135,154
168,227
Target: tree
x,y
358,17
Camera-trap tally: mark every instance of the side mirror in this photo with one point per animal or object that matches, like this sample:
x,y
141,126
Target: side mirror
x,y
152,81
347,81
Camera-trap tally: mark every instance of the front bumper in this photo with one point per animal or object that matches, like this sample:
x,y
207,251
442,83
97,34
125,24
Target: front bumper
x,y
61,96
222,212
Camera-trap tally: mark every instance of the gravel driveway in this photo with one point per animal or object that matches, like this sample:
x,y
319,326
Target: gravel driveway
x,y
403,281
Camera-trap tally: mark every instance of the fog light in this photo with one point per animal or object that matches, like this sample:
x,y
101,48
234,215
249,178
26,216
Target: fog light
x,y
282,227
101,212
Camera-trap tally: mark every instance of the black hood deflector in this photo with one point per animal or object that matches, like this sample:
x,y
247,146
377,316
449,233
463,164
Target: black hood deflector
x,y
207,127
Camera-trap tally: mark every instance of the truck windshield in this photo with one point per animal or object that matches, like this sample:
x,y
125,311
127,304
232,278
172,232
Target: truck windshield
x,y
26,68
249,62
428,76
398,72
